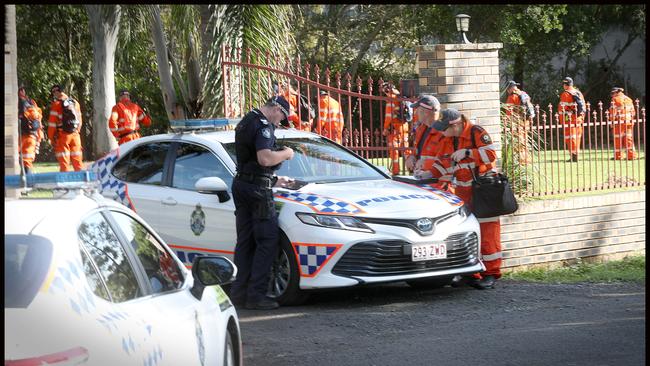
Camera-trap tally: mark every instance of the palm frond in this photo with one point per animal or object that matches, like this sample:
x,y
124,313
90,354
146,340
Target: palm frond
x,y
258,27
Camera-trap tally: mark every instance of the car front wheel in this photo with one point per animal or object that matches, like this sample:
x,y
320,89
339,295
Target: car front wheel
x,y
229,352
284,282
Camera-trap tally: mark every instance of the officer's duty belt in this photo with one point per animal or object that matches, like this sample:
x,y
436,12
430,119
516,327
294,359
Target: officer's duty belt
x,y
260,180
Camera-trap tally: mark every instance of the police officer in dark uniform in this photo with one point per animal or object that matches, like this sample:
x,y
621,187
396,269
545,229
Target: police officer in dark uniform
x,y
258,157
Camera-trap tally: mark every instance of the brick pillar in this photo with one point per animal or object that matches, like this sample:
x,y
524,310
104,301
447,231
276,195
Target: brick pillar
x,y
464,77
11,98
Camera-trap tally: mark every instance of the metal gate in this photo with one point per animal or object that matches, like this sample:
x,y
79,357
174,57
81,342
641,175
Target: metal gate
x,y
248,79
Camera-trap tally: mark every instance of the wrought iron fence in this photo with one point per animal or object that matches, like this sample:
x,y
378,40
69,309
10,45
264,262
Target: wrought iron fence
x,y
544,171
535,156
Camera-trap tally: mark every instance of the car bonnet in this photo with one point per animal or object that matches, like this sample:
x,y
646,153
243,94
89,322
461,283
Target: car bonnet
x,y
375,198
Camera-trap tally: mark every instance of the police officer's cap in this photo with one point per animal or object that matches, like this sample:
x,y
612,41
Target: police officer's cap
x,y
447,115
511,83
616,89
427,101
284,106
568,81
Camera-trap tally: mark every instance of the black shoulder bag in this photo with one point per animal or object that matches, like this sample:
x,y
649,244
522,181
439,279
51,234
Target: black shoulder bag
x,y
492,195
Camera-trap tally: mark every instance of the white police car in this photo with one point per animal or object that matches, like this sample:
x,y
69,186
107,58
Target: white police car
x,y
343,223
87,281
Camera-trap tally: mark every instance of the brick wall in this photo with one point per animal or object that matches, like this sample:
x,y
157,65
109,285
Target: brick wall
x,y
547,232
464,77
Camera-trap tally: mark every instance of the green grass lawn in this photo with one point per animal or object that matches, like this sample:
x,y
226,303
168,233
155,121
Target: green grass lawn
x,y
46,167
551,173
630,268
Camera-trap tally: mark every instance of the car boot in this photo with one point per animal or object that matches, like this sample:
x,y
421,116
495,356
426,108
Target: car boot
x,y
484,283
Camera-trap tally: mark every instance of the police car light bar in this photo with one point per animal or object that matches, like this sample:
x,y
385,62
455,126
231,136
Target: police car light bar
x,y
54,180
199,124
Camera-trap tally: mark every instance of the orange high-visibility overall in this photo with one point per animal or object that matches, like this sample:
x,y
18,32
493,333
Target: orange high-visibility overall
x,y
125,120
571,117
398,132
330,119
30,141
520,123
67,146
457,179
621,115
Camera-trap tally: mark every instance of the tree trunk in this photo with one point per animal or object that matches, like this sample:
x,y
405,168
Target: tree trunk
x,y
173,109
603,77
104,21
365,47
12,161
518,67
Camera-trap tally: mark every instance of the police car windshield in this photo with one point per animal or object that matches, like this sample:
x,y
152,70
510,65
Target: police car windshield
x,y
316,160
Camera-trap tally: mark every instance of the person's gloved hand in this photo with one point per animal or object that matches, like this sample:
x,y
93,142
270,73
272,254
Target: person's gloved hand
x,y
410,162
422,174
460,154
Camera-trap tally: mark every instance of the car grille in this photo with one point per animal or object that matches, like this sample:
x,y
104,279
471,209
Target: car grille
x,y
411,224
387,258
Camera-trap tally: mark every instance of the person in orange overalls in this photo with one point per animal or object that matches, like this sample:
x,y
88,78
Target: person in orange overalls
x,y
572,112
125,119
330,118
396,129
67,145
621,113
463,147
31,131
520,111
427,111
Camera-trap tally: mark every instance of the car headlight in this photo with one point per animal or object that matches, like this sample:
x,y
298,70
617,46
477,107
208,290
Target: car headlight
x,y
464,212
334,222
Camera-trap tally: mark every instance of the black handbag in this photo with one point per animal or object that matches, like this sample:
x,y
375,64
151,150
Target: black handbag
x,y
492,196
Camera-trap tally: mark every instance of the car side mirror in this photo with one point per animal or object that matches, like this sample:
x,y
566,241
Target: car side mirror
x,y
213,185
210,271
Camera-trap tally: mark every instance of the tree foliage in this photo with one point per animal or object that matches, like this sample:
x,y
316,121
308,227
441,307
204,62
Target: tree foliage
x,y
366,40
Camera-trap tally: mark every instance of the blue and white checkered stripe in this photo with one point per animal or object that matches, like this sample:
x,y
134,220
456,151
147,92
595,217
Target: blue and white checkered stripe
x,y
452,199
108,183
312,257
321,204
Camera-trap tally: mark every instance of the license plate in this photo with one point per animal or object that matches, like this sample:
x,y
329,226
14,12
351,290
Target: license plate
x,y
425,252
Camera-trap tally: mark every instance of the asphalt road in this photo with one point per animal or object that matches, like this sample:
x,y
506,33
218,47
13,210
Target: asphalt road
x,y
517,323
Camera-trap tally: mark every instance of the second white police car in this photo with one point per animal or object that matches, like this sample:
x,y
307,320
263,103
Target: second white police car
x,y
345,222
88,282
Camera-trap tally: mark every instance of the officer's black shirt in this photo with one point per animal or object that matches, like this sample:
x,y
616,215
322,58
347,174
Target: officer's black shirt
x,y
254,133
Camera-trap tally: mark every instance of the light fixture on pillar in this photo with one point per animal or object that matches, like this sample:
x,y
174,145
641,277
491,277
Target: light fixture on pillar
x,y
462,25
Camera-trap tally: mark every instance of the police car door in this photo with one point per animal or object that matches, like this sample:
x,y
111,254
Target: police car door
x,y
197,324
139,173
197,223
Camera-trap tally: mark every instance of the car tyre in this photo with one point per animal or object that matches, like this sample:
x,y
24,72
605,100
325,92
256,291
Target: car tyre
x,y
284,282
430,283
229,358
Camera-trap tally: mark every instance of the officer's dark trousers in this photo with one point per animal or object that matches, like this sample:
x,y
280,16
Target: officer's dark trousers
x,y
257,241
